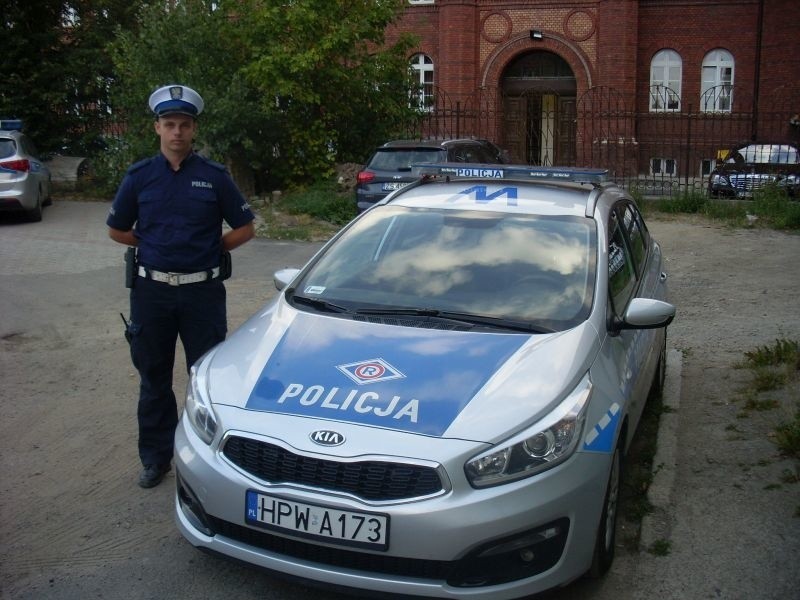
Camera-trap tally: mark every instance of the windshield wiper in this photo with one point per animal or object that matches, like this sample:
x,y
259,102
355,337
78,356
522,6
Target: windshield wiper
x,y
317,303
467,318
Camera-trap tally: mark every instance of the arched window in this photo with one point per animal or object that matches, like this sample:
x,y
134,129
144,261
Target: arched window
x,y
665,81
716,87
422,67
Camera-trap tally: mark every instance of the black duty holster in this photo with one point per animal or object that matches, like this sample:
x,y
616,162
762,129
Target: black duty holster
x,y
131,267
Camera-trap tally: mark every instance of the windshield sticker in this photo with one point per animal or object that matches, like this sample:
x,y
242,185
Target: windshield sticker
x,y
482,197
405,389
616,259
314,289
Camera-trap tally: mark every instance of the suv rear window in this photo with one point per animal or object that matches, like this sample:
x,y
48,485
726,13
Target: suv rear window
x,y
399,159
7,148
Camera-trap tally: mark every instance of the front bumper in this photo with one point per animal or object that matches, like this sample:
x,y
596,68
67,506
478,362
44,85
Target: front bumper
x,y
502,542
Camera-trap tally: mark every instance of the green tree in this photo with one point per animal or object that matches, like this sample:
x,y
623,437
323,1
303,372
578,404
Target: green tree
x,y
290,87
30,63
57,73
323,67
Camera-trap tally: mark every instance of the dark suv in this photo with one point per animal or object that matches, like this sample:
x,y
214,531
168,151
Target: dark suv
x,y
389,169
749,167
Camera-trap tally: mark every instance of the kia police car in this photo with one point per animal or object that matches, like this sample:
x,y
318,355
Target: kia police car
x,y
438,403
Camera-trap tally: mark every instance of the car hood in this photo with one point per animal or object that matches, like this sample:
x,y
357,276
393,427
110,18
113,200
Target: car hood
x,y
469,385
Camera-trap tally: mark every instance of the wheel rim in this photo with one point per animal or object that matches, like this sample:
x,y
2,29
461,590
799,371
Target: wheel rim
x,y
611,504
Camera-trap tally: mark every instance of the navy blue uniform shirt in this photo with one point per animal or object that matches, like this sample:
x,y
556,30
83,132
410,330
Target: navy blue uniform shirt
x,y
178,214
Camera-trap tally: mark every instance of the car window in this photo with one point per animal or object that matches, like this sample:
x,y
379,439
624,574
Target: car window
x,y
470,153
7,148
522,267
781,154
621,275
637,236
398,160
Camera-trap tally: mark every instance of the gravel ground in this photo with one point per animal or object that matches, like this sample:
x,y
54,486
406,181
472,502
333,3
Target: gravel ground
x,y
74,525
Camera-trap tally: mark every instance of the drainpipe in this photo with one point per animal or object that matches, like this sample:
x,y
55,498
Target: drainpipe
x,y
757,70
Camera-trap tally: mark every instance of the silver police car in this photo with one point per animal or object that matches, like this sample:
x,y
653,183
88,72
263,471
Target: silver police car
x,y
439,402
24,178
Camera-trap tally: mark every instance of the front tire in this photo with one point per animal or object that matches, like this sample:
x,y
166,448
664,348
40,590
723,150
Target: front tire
x,y
660,376
607,530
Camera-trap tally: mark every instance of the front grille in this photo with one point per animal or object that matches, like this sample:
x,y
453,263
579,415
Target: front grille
x,y
749,182
369,480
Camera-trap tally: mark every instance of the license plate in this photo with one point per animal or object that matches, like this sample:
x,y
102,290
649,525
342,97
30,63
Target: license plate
x,y
396,185
366,530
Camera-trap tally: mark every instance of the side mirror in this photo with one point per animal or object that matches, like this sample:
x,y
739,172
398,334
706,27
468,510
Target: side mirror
x,y
284,277
647,313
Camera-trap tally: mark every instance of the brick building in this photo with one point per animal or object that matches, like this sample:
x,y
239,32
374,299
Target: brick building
x,y
646,88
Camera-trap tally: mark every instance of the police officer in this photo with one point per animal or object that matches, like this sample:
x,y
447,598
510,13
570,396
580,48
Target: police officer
x,y
171,208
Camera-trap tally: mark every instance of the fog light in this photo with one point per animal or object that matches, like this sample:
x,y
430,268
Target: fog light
x,y
517,557
191,507
527,555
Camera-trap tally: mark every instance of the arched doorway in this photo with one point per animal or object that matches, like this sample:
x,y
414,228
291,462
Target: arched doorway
x,y
539,91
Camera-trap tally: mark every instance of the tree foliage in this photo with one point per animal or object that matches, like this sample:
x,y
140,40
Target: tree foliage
x,y
57,73
290,87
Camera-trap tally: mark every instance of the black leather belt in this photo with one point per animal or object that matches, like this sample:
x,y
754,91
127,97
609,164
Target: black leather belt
x,y
178,278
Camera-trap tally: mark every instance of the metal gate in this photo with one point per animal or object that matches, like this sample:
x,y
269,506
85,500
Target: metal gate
x,y
667,148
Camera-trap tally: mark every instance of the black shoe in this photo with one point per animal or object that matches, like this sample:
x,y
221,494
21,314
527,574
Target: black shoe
x,y
152,475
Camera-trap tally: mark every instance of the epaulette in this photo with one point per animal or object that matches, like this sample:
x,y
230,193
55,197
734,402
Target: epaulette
x,y
140,165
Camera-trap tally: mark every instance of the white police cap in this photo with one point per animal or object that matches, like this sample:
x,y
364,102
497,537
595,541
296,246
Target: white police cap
x,y
176,99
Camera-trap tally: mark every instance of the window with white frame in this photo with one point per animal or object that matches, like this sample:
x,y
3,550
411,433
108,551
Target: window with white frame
x,y
665,167
716,88
706,166
665,81
422,67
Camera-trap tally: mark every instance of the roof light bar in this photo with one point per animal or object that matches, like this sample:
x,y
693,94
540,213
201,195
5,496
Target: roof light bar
x,y
11,124
517,172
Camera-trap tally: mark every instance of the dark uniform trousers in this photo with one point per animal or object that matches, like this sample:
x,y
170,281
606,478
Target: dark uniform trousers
x,y
161,312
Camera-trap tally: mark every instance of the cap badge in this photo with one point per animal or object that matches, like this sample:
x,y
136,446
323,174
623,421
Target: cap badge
x,y
176,92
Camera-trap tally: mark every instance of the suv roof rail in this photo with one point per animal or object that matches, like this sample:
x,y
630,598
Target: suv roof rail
x,y
450,171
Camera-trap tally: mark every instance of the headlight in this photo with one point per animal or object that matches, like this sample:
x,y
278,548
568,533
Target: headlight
x,y
548,443
198,406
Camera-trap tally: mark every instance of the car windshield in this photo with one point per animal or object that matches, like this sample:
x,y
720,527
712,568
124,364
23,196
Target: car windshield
x,y
778,154
521,268
402,159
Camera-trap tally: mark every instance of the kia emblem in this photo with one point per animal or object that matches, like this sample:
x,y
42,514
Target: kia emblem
x,y
324,437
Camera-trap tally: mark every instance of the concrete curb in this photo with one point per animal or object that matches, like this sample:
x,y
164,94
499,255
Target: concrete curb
x,y
656,525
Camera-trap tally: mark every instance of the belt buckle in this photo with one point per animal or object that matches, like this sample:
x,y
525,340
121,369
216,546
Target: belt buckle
x,y
174,279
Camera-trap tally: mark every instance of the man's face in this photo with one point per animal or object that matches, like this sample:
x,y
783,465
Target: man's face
x,y
176,132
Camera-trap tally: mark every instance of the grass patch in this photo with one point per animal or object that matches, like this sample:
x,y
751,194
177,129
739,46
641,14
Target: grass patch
x,y
769,207
773,367
312,213
787,436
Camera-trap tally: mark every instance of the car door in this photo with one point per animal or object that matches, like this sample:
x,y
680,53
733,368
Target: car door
x,y
631,262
